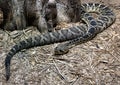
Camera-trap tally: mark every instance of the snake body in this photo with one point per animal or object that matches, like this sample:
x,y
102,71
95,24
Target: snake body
x,y
74,35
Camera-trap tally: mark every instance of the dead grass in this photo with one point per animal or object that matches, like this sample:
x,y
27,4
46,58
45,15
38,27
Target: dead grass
x,y
96,62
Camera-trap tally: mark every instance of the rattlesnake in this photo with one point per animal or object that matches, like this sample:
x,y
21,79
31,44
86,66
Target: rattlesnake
x,y
74,35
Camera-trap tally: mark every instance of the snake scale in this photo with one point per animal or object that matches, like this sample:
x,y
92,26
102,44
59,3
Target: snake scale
x,y
74,35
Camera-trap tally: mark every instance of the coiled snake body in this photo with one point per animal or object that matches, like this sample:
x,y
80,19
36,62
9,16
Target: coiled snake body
x,y
74,35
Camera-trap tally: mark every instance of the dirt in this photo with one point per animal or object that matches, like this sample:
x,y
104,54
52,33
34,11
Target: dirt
x,y
96,62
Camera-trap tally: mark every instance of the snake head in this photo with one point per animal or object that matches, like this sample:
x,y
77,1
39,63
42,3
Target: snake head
x,y
61,49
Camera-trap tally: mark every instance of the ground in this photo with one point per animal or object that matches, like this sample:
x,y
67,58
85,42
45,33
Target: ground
x,y
96,62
